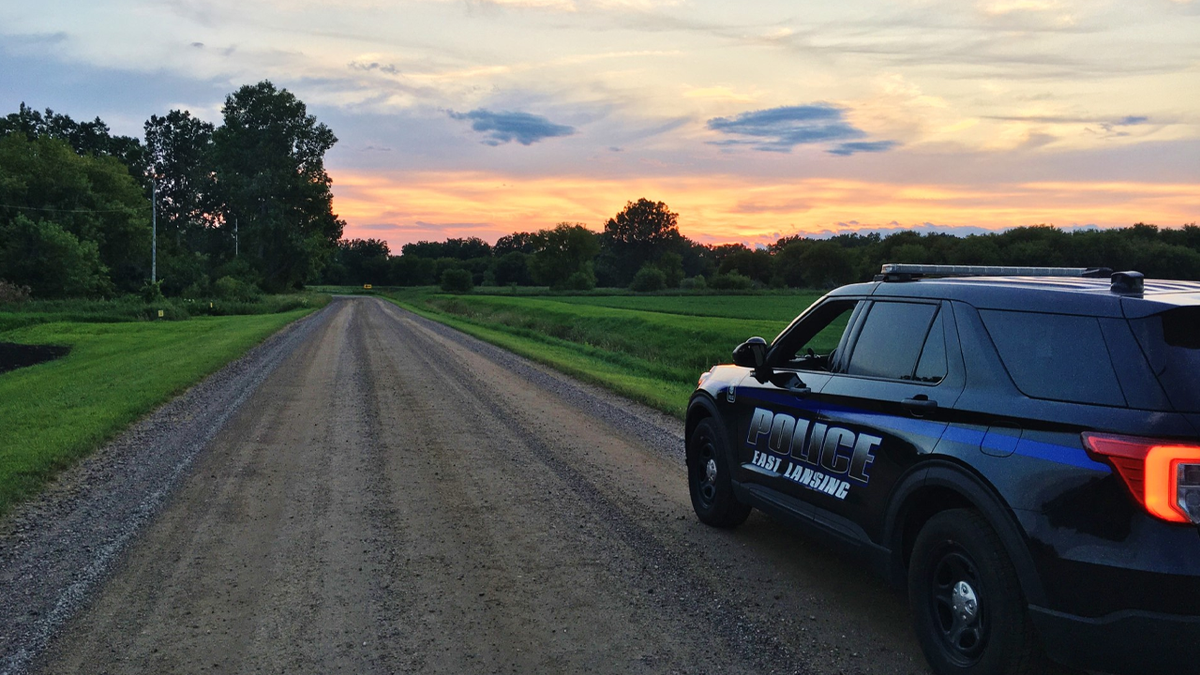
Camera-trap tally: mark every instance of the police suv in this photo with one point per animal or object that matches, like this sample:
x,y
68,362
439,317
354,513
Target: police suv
x,y
1019,447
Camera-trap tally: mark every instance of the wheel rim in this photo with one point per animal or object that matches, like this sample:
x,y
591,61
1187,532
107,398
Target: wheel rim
x,y
958,606
706,465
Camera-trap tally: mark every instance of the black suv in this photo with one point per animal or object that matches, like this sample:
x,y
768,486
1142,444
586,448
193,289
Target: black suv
x,y
1019,447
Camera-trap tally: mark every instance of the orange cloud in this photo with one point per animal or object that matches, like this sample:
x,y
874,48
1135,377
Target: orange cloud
x,y
408,206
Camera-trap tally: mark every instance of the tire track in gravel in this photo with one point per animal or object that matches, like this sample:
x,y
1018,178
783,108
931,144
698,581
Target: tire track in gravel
x,y
684,593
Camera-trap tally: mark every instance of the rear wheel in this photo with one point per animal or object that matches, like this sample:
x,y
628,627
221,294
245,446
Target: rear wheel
x,y
967,606
709,481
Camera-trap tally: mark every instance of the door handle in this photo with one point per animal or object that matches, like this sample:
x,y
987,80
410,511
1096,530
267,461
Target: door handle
x,y
919,404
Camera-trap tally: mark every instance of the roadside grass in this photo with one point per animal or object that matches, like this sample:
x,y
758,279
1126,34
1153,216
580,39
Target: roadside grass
x,y
650,348
133,308
54,413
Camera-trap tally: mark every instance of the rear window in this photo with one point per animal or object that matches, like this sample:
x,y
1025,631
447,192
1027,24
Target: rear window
x,y
1055,356
1171,342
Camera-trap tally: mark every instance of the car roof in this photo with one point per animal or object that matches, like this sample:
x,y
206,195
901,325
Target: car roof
x,y
1056,295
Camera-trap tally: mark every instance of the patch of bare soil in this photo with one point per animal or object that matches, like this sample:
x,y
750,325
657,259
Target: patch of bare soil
x,y
13,355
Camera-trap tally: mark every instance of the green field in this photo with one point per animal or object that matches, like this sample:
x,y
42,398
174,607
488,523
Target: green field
x,y
53,413
132,308
650,348
781,308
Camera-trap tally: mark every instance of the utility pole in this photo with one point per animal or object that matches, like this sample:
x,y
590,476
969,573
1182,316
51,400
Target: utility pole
x,y
154,235
236,242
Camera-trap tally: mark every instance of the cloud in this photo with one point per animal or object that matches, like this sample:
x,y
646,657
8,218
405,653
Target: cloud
x,y
503,127
845,149
1128,120
388,68
781,129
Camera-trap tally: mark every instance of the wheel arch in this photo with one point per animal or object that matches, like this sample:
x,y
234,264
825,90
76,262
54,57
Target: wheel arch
x,y
940,485
702,407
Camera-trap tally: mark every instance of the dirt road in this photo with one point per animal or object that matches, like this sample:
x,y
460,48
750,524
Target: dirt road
x,y
396,497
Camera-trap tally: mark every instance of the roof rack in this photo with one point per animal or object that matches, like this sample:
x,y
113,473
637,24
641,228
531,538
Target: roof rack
x,y
906,272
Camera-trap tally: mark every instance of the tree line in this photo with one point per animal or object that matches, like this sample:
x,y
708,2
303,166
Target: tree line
x,y
247,205
641,248
243,206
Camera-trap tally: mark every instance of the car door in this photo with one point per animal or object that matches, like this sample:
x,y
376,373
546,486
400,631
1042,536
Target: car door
x,y
776,413
884,407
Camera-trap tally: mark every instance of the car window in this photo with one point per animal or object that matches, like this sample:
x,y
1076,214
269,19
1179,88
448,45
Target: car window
x,y
891,340
1055,356
931,367
1171,341
809,344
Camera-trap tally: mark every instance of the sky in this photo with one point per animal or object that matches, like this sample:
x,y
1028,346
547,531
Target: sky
x,y
752,120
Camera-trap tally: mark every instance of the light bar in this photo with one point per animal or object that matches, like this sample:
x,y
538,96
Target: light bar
x,y
991,271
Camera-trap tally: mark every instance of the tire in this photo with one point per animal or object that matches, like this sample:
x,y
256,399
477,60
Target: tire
x,y
966,602
709,480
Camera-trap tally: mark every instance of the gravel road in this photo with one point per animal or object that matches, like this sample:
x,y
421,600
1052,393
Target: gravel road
x,y
391,496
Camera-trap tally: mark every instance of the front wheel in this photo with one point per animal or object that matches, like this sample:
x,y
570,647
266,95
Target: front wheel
x,y
967,606
709,481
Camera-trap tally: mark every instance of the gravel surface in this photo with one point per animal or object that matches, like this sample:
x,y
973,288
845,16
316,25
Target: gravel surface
x,y
398,497
56,549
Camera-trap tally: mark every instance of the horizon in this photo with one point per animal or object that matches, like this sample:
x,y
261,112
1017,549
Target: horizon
x,y
487,117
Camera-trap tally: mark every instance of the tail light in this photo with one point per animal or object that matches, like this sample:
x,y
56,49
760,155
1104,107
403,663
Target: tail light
x,y
1164,476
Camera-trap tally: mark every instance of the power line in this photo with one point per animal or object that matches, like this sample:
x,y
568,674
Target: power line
x,y
41,208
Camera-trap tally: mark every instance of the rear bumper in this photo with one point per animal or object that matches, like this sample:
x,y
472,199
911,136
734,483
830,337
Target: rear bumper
x,y
1123,643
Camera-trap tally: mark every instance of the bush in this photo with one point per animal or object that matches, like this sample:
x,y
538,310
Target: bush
x,y
12,293
582,280
648,279
457,280
229,288
731,282
50,260
152,292
695,283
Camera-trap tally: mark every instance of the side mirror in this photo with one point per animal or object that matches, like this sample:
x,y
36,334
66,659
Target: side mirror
x,y
751,354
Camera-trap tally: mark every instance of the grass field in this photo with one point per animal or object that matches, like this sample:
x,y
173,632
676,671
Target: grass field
x,y
53,413
133,308
650,348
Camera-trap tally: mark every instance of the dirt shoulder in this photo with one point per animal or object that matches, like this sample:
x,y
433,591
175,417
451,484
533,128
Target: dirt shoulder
x,y
397,497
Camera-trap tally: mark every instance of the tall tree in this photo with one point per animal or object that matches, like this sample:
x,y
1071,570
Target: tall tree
x,y
179,155
642,232
564,257
270,169
87,138
92,198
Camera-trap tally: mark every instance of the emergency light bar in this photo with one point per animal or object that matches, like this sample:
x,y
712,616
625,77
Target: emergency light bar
x,y
904,270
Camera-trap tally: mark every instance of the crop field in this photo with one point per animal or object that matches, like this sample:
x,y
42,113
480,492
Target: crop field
x,y
780,308
651,348
117,370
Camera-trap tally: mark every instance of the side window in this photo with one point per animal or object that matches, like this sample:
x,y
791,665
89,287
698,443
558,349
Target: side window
x,y
932,366
810,344
1055,356
892,339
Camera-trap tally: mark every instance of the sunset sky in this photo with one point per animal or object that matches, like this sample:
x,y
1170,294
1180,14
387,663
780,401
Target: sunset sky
x,y
752,120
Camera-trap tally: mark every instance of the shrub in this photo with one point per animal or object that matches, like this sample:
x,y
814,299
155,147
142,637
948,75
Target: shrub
x,y
730,282
229,288
457,280
151,292
695,283
12,293
50,260
647,279
582,280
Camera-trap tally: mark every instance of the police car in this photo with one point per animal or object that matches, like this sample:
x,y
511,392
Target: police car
x,y
1018,447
